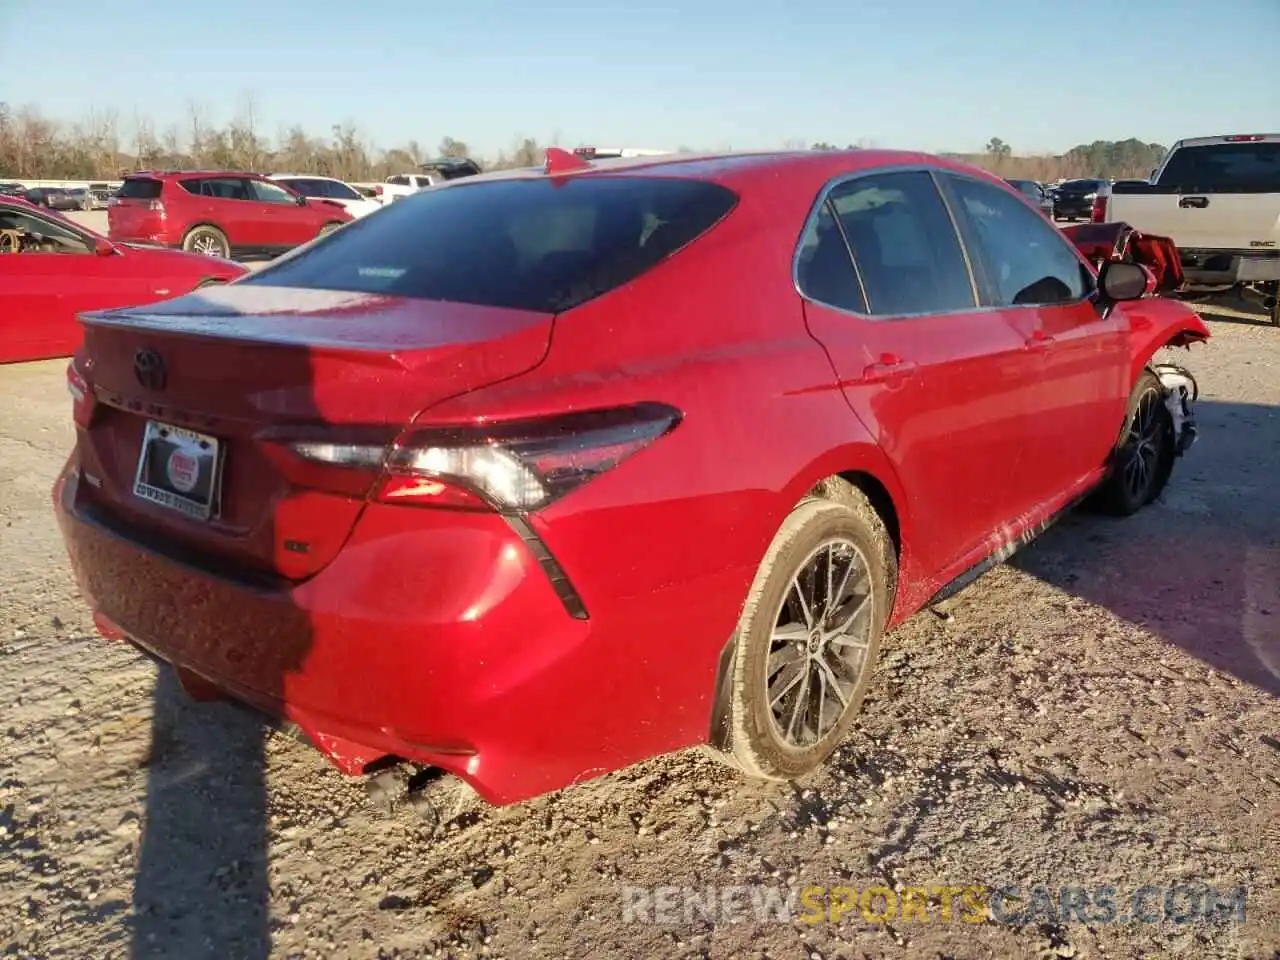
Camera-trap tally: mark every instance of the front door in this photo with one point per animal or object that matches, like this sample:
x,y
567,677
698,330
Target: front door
x,y
1079,383
939,380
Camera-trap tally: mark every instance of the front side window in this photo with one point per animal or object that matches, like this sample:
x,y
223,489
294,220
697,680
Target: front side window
x,y
1025,260
531,244
265,192
905,246
21,232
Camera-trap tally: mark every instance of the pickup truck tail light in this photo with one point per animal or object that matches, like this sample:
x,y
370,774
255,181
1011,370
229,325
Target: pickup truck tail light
x,y
1098,212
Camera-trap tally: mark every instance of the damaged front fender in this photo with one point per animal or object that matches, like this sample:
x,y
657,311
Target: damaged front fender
x,y
1180,395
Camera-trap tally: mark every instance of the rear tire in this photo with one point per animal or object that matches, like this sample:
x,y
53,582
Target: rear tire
x,y
808,636
1142,461
207,241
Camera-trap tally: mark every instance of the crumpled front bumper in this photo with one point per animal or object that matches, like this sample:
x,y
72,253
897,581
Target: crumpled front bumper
x,y
1180,395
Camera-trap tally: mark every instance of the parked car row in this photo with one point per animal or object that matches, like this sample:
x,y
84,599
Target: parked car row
x,y
393,489
52,269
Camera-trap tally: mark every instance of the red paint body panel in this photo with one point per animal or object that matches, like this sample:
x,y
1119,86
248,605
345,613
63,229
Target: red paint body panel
x,y
434,634
42,294
252,227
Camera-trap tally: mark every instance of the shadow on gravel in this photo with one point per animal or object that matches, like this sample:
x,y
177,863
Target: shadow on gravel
x,y
1201,567
1244,312
201,889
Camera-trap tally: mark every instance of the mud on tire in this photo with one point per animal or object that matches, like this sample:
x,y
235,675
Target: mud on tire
x,y
834,553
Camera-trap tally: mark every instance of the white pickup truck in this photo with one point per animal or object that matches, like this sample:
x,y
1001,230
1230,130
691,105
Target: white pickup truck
x,y
433,172
1218,198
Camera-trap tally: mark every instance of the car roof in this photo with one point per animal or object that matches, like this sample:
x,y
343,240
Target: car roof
x,y
179,174
803,169
303,176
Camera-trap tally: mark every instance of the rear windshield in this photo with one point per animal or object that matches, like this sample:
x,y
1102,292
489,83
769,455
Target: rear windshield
x,y
140,188
1227,167
529,244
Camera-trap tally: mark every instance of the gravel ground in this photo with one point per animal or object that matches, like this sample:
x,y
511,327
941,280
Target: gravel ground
x,y
1103,710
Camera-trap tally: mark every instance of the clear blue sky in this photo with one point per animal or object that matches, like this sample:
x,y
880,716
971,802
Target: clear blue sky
x,y
928,74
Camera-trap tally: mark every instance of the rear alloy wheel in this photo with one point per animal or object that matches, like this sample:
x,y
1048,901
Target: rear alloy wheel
x,y
207,241
1143,459
808,637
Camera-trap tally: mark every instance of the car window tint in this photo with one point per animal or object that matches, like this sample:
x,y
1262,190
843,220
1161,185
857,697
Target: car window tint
x,y
140,188
1026,260
38,235
906,248
398,180
529,243
265,192
306,187
220,188
1226,167
824,269
338,190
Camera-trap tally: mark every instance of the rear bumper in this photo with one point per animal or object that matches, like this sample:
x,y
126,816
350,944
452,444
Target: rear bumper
x,y
1213,267
435,637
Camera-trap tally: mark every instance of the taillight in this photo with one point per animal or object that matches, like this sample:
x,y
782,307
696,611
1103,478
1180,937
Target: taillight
x,y
377,190
82,398
1245,138
1098,212
512,467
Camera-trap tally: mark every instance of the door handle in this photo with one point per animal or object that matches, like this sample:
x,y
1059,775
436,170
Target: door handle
x,y
1038,340
889,369
1198,202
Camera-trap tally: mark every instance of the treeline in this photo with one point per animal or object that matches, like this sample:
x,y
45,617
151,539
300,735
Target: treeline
x,y
103,146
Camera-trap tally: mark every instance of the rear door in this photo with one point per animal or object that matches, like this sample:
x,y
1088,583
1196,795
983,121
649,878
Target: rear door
x,y
224,202
941,381
1077,365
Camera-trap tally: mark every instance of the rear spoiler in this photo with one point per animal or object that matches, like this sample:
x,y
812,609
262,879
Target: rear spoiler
x,y
1100,242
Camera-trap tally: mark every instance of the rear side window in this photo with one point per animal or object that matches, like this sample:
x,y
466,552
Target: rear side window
x,y
220,188
140,188
531,244
824,269
1225,167
905,246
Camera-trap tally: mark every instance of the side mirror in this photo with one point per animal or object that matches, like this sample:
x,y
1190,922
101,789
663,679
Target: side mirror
x,y
1119,281
104,247
301,201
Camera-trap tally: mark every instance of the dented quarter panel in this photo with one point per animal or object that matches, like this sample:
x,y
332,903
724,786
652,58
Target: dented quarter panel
x,y
1156,322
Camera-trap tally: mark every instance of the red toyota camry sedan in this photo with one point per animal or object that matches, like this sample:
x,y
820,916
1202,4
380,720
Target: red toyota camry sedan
x,y
532,476
51,269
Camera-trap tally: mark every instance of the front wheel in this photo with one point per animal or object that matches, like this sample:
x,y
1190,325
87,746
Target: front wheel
x,y
1142,461
328,228
808,637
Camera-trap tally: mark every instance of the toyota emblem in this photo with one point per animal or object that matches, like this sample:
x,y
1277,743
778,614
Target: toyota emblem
x,y
148,367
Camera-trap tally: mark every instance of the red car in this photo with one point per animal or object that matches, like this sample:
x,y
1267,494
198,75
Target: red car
x,y
532,476
240,215
52,269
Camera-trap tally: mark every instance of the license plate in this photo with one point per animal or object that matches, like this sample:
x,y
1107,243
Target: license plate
x,y
179,469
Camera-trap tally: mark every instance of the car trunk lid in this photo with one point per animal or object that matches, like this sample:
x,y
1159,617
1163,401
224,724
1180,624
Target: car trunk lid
x,y
245,368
